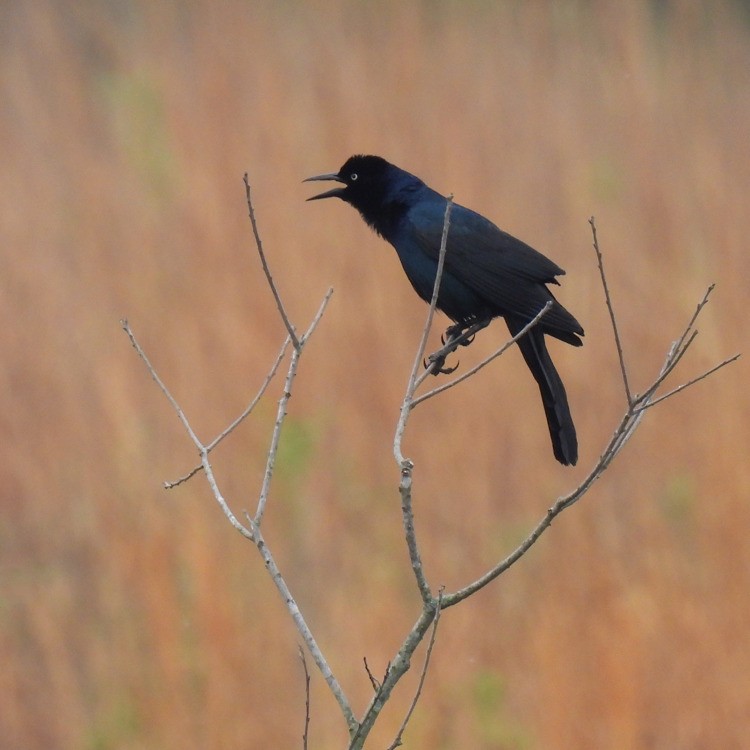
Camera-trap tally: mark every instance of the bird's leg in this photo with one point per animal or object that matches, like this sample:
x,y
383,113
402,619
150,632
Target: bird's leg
x,y
438,360
451,333
459,334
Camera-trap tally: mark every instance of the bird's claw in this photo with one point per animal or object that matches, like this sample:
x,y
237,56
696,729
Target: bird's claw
x,y
446,370
456,336
437,363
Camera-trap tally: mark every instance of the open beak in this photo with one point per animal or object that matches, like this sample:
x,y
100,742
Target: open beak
x,y
334,193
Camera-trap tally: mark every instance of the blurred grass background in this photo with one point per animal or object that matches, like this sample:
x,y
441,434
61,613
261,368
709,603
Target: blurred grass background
x,y
132,617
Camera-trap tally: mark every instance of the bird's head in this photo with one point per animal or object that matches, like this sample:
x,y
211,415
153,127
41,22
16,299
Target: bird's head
x,y
377,189
366,180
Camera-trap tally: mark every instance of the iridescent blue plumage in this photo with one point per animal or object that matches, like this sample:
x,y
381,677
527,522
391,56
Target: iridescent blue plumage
x,y
488,273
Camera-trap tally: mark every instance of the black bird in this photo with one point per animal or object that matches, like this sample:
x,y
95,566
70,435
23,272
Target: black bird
x,y
487,272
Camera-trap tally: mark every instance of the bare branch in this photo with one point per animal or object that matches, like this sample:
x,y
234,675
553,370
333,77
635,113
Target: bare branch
x,y
374,681
247,531
623,432
318,315
436,285
398,668
239,420
484,362
307,697
276,435
301,624
411,536
412,384
248,410
607,297
694,318
677,350
159,382
281,411
266,270
451,599
692,381
397,741
628,424
431,606
252,531
404,463
168,485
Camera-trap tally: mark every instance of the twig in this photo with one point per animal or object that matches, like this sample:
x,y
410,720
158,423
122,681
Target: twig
x,y
679,347
487,360
398,668
376,684
276,436
407,514
412,384
255,400
676,352
405,464
302,627
205,463
436,284
181,415
239,420
698,309
281,411
690,382
307,697
607,297
431,607
397,741
252,531
248,410
317,317
628,424
624,430
266,270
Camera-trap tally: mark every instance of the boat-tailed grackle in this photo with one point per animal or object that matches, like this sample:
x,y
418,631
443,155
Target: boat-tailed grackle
x,y
487,272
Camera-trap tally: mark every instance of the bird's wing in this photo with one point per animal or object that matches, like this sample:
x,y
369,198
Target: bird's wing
x,y
476,239
500,268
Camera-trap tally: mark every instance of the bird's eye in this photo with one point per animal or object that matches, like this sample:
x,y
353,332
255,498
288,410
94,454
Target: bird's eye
x,y
353,176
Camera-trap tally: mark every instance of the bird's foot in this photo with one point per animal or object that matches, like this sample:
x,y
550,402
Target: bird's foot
x,y
436,361
457,335
451,340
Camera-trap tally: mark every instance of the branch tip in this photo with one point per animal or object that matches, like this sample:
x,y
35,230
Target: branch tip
x,y
266,270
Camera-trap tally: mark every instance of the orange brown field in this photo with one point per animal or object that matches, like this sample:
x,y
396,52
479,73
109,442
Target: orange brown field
x,y
136,618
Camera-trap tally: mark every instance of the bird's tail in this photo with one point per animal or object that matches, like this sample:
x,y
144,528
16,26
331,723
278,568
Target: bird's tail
x,y
555,400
